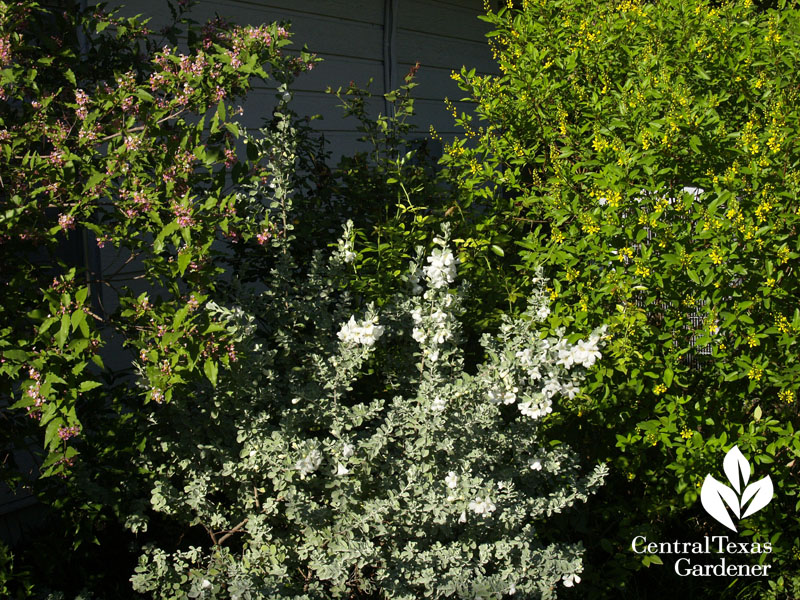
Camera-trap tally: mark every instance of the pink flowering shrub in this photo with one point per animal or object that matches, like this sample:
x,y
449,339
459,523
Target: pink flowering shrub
x,y
110,138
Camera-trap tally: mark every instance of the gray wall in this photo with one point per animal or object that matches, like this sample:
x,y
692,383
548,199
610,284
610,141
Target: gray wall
x,y
360,40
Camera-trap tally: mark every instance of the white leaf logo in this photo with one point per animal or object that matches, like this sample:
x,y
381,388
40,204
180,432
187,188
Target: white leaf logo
x,y
717,497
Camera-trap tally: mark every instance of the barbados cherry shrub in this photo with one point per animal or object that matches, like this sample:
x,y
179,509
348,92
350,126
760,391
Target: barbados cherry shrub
x,y
131,152
645,155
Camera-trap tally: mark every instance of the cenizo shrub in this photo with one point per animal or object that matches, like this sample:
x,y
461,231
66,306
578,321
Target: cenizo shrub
x,y
348,453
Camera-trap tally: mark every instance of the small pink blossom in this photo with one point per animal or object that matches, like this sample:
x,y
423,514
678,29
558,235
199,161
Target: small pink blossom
x,y
230,157
263,237
5,50
132,142
183,215
66,222
66,433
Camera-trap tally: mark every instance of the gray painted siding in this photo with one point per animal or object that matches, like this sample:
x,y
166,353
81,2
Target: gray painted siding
x,y
349,36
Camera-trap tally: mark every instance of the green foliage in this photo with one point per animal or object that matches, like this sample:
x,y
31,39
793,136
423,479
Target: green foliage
x,y
645,155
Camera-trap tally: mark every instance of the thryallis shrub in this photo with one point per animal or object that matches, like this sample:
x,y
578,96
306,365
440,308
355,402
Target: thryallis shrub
x,y
349,454
646,154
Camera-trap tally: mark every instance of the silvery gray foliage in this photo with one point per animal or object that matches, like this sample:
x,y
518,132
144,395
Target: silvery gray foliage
x,y
350,454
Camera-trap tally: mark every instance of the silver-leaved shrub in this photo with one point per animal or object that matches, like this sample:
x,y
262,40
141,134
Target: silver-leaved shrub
x,y
349,453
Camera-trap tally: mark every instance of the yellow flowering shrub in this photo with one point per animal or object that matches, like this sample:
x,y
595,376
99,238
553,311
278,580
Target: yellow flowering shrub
x,y
659,161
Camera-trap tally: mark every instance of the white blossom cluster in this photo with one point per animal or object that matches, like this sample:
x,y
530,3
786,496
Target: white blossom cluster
x,y
345,244
540,369
441,271
366,332
583,353
309,463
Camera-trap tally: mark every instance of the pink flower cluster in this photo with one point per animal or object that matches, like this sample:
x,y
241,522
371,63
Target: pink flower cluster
x,y
260,34
35,394
132,143
82,100
66,222
214,30
230,157
264,237
183,214
66,433
194,67
5,50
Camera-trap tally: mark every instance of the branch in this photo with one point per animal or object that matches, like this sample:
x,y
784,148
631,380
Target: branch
x,y
230,532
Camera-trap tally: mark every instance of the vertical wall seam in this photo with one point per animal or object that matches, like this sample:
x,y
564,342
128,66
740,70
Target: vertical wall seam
x,y
390,12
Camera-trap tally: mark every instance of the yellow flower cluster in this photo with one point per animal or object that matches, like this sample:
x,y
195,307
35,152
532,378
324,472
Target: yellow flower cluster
x,y
715,256
599,143
783,324
786,396
642,270
659,389
589,226
755,373
763,209
685,433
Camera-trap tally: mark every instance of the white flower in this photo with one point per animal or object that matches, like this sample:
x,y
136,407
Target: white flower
x,y
434,356
442,269
205,584
535,464
438,404
451,480
349,256
309,463
570,580
482,506
570,390
536,409
341,470
543,312
418,334
502,396
348,450
583,352
366,332
551,388
463,517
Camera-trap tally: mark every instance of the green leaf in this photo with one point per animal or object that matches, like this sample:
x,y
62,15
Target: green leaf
x,y
88,385
211,369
